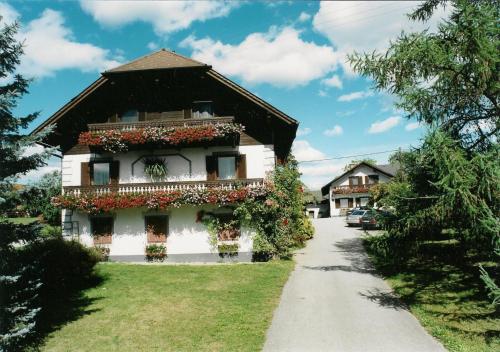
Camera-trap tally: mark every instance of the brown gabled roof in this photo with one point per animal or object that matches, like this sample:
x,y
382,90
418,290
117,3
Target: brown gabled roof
x,y
389,170
159,60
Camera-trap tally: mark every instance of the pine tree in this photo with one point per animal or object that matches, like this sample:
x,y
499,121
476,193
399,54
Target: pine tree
x,y
19,282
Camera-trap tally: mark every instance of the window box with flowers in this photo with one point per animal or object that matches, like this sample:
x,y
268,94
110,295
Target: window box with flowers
x,y
120,140
155,252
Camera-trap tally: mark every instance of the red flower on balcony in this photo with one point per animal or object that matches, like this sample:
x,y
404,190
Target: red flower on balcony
x,y
118,141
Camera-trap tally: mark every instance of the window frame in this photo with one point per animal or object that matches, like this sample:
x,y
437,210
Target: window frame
x,y
92,229
92,163
196,114
167,229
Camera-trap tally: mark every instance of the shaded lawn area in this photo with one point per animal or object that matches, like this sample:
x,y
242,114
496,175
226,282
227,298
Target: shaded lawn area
x,y
447,296
172,308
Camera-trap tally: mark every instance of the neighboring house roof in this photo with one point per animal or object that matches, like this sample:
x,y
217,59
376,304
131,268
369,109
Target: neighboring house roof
x,y
388,169
163,60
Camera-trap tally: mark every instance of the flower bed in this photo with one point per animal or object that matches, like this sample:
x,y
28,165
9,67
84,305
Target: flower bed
x,y
92,203
119,141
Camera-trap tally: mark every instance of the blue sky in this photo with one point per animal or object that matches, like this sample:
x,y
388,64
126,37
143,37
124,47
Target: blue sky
x,y
291,54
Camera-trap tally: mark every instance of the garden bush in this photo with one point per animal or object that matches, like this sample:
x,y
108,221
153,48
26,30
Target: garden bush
x,y
66,265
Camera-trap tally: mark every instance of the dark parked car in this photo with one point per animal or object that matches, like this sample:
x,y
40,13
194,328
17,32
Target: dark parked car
x,y
369,220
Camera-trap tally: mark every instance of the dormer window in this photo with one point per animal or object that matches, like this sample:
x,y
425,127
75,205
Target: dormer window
x,y
202,109
130,116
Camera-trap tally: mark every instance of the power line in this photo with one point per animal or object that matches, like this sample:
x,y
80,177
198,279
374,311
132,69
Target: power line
x,y
349,156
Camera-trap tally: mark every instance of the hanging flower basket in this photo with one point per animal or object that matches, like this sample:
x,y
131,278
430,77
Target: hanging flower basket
x,y
119,141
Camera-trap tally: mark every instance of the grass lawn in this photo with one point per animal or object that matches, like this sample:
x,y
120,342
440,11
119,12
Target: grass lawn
x,y
173,308
447,296
23,221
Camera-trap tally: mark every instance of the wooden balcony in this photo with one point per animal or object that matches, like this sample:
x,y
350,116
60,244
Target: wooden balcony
x,y
347,189
140,188
128,126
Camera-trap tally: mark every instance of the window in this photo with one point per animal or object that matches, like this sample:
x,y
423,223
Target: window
x,y
226,167
353,180
202,109
101,173
230,228
156,228
344,203
372,179
102,229
130,116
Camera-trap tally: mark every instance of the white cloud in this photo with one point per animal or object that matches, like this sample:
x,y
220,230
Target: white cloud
x,y
384,125
152,46
322,93
304,16
164,16
279,57
9,15
303,131
314,174
355,96
412,126
335,131
333,81
368,25
49,46
302,150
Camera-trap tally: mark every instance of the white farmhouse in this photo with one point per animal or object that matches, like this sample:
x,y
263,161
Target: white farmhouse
x,y
351,189
153,146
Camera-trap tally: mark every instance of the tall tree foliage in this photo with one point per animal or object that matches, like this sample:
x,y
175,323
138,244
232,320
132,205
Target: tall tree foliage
x,y
18,288
448,79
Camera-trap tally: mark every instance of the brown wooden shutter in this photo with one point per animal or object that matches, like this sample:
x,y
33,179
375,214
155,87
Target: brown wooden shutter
x,y
349,203
142,116
114,172
211,164
350,181
85,172
187,114
337,203
367,180
360,180
113,118
241,166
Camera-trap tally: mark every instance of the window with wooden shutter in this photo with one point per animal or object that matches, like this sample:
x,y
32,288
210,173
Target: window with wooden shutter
x,y
349,203
100,172
337,203
85,174
211,164
241,166
114,172
230,230
102,230
156,228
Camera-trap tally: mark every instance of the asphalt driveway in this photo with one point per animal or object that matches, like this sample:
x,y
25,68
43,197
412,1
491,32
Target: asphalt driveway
x,y
334,301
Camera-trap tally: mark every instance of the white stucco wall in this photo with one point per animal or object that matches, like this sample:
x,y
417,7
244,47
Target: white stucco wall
x,y
185,236
259,161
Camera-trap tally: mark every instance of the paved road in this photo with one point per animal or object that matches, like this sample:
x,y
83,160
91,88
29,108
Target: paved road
x,y
334,301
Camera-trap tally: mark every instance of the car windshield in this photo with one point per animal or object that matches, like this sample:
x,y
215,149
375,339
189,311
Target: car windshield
x,y
358,212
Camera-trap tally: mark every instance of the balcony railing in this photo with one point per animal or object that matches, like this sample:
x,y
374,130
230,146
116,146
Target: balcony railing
x,y
139,188
128,126
347,189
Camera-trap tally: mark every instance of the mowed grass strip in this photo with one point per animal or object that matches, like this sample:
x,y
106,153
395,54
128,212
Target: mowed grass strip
x,y
175,308
447,296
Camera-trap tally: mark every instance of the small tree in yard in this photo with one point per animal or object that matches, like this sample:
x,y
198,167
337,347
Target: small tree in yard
x,y
450,81
37,198
18,283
